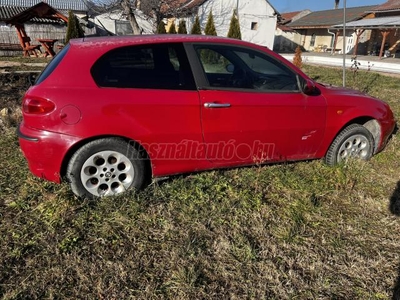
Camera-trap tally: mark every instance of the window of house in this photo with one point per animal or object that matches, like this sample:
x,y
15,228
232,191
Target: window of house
x,y
312,41
254,25
163,66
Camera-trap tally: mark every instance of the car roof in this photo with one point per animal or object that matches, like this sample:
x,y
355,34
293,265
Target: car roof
x,y
153,38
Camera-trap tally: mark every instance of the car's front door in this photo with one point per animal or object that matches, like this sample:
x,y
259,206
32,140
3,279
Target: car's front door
x,y
252,109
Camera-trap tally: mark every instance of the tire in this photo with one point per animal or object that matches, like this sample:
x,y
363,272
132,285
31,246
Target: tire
x,y
106,167
354,141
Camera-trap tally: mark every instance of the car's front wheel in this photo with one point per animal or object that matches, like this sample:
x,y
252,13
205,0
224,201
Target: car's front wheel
x,y
354,141
106,167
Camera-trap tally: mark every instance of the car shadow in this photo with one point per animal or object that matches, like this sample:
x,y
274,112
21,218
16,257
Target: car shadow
x,y
394,207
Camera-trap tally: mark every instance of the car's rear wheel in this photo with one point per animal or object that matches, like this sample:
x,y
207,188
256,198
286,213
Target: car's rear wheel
x,y
106,167
355,141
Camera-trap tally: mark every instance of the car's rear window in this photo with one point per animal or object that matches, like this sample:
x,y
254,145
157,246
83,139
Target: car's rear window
x,y
158,66
52,65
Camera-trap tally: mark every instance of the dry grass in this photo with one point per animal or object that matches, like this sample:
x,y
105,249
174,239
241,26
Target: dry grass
x,y
289,231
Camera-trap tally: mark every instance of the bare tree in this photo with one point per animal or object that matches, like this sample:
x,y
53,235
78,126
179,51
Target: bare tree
x,y
129,12
156,9
160,9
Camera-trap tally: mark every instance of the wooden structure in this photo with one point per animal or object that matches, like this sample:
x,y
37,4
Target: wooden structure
x,y
42,11
385,25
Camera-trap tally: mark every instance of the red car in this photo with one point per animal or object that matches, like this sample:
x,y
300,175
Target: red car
x,y
109,113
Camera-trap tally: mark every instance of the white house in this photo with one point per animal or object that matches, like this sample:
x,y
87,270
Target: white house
x,y
257,18
115,22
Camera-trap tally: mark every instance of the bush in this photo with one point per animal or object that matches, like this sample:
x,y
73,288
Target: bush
x,y
74,29
161,28
196,29
234,27
182,27
297,60
172,28
210,26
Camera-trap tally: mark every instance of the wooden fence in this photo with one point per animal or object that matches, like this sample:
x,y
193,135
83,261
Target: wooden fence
x,y
8,35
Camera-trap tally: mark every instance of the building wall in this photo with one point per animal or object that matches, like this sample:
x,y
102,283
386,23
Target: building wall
x,y
323,39
287,41
257,19
115,22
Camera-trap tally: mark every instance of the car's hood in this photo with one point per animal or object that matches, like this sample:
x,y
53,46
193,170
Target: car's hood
x,y
352,102
341,95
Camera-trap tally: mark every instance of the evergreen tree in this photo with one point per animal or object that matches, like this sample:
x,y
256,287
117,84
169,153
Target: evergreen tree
x,y
210,56
196,29
182,27
234,27
210,26
74,29
172,28
297,60
161,28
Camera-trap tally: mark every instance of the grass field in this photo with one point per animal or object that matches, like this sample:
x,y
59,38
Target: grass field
x,y
288,231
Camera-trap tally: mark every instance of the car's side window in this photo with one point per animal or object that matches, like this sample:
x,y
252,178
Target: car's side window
x,y
242,68
162,66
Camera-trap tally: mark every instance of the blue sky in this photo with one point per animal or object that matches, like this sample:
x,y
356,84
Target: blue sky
x,y
314,5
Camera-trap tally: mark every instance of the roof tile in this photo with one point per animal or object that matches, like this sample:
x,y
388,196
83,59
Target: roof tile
x,y
75,5
389,5
328,18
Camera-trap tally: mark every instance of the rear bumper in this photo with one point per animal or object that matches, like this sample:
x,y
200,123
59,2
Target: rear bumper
x,y
44,151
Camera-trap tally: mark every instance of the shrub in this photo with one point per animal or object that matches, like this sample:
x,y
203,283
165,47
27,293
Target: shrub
x,y
210,26
74,29
182,27
196,29
234,27
297,60
161,28
172,28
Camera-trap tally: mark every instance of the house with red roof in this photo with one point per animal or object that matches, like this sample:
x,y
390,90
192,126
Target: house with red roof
x,y
316,28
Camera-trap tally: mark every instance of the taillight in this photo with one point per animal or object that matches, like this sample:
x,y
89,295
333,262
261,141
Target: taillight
x,y
37,106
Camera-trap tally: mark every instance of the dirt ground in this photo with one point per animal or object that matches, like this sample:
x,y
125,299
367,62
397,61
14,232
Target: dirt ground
x,y
12,88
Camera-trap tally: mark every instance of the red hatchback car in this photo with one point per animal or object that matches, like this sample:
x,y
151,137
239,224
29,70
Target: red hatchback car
x,y
108,113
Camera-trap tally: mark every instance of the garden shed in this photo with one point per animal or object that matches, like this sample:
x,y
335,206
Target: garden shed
x,y
40,11
40,21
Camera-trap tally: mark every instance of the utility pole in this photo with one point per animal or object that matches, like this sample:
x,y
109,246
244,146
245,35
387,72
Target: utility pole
x,y
344,43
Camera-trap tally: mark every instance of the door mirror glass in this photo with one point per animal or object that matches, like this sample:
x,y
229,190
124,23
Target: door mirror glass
x,y
230,68
309,87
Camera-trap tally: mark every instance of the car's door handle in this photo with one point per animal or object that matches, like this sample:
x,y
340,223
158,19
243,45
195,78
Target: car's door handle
x,y
216,105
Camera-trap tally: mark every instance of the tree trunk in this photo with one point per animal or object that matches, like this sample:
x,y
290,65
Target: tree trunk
x,y
131,16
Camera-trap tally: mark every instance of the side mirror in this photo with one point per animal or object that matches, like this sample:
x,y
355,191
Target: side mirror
x,y
230,68
309,88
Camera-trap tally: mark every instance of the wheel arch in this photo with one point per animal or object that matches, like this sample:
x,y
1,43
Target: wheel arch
x,y
75,147
371,124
